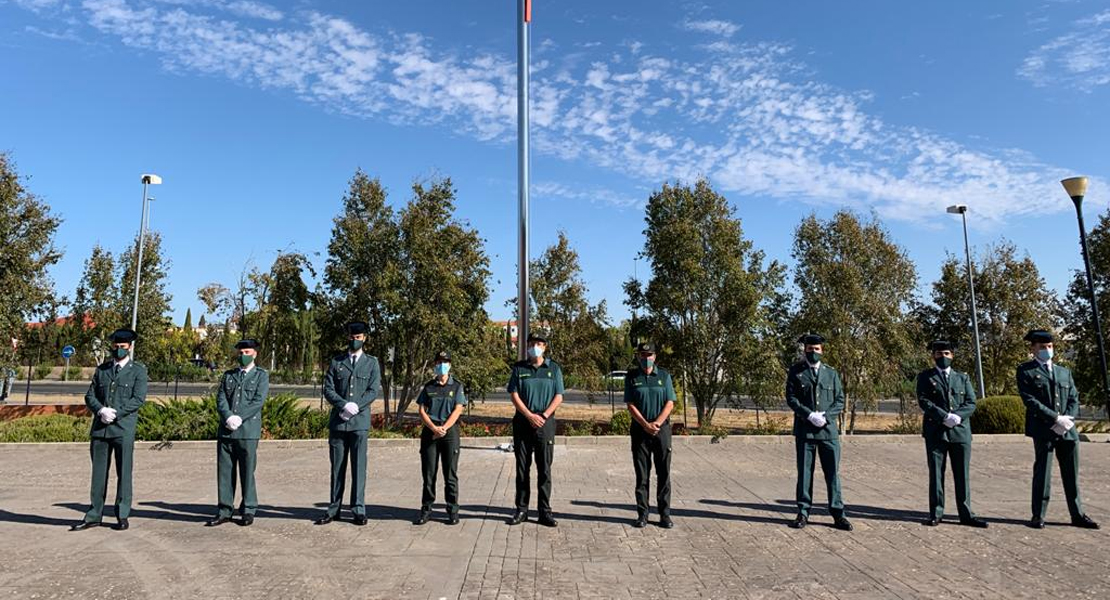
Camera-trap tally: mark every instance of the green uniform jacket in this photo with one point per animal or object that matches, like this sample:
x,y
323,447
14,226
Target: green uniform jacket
x,y
1046,398
960,400
537,387
125,392
806,394
242,394
648,393
361,385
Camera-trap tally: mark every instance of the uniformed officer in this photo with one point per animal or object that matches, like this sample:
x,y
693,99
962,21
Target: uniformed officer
x,y
239,402
815,394
352,383
441,403
947,399
536,388
649,394
117,391
1051,405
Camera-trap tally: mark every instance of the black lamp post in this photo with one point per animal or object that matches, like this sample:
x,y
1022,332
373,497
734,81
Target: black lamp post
x,y
1076,187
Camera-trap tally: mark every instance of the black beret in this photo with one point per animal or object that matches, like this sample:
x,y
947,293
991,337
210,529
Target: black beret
x,y
811,339
535,337
938,345
246,343
123,336
357,327
646,348
1040,336
443,355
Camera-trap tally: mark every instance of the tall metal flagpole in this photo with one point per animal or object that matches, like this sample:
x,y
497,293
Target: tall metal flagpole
x,y
524,19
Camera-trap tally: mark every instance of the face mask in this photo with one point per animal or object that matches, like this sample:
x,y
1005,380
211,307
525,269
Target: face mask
x,y
245,359
535,351
1045,354
120,353
943,362
813,357
647,363
442,368
356,345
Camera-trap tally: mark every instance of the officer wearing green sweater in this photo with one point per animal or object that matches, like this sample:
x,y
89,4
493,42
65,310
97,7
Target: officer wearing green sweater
x,y
815,394
440,403
117,391
947,400
649,395
239,403
536,389
1051,405
351,384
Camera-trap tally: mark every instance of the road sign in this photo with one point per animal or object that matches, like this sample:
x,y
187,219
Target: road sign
x,y
68,351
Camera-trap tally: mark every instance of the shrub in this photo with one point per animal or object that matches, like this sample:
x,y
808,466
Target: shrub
x,y
906,425
73,374
717,431
42,371
999,414
176,420
46,428
769,426
581,428
620,423
485,429
284,418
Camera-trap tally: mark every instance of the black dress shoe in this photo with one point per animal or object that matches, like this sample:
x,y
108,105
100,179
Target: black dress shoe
x,y
1084,522
1036,523
640,522
216,522
974,522
83,525
519,517
931,522
247,521
547,520
666,523
122,525
842,523
424,517
359,520
324,520
799,522
452,519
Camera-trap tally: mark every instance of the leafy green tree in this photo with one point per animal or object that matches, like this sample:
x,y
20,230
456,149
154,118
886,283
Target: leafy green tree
x,y
188,326
283,318
97,299
706,290
154,298
576,330
27,251
855,287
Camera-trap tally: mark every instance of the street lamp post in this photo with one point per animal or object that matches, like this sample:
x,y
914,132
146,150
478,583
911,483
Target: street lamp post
x,y
147,180
1076,187
961,209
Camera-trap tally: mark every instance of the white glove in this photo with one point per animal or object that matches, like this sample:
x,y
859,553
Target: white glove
x,y
233,422
817,419
350,408
952,420
1059,429
1063,424
107,415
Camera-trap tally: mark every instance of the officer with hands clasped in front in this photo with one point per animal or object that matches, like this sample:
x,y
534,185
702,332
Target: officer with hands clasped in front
x,y
536,388
441,403
649,394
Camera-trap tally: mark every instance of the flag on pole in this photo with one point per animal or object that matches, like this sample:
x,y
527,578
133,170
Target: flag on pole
x,y
527,11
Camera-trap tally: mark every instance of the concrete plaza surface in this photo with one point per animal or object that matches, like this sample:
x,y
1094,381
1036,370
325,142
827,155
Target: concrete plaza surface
x,y
732,501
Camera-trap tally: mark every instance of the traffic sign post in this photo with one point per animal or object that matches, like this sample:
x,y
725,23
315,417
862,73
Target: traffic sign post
x,y
67,352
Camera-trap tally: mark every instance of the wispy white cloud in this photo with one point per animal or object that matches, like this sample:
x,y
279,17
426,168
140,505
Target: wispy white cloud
x,y
713,26
747,115
1079,59
587,193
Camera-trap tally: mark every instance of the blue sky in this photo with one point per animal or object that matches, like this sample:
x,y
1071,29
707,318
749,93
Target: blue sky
x,y
256,115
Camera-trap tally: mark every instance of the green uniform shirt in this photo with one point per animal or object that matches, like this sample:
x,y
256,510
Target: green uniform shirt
x,y
537,386
439,401
649,393
123,390
242,393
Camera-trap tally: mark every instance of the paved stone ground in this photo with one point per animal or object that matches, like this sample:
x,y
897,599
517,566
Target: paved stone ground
x,y
732,503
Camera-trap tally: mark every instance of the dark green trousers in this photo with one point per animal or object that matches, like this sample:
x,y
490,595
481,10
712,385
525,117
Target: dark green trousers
x,y
529,443
938,453
434,452
348,447
1067,454
648,449
102,451
234,455
828,451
